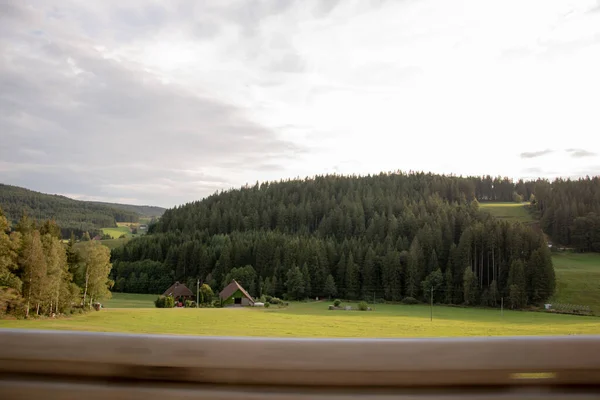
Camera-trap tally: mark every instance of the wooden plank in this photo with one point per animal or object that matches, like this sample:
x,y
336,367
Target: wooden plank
x,y
26,390
307,362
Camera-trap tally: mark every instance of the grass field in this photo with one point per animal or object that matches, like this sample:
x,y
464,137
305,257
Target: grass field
x,y
314,320
110,243
508,211
128,300
577,279
116,233
128,224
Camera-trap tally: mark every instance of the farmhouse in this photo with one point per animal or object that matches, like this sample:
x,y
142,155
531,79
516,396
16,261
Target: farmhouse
x,y
179,292
235,295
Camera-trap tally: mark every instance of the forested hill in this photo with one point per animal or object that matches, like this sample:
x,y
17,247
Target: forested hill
x,y
389,236
144,211
70,215
570,211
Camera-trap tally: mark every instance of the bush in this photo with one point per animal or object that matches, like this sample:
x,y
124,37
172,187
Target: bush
x,y
164,302
380,301
337,302
169,302
275,300
268,298
262,299
409,300
217,304
363,306
190,304
267,304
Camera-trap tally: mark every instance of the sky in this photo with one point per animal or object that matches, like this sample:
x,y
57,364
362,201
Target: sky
x,y
165,102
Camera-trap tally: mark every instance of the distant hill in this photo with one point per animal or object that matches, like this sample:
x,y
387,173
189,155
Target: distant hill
x,y
144,211
393,237
71,215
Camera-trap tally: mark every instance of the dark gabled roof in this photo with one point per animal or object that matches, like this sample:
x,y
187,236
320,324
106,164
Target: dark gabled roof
x,y
178,289
231,289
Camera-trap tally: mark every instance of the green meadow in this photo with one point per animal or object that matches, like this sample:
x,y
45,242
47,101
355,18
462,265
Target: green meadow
x,y
313,320
116,232
508,211
577,279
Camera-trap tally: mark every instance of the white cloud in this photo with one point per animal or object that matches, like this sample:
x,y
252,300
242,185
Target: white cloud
x,y
357,87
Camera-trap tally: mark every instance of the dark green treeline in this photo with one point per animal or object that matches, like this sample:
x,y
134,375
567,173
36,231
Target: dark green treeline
x,y
388,236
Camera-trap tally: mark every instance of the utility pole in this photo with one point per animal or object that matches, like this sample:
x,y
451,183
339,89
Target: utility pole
x,y
198,293
373,297
502,307
431,308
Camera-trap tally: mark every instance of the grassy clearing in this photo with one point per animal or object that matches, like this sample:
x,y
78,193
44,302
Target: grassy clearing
x,y
110,243
128,224
116,233
130,300
577,279
508,211
314,320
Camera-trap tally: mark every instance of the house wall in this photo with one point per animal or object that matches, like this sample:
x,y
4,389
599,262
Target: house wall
x,y
237,295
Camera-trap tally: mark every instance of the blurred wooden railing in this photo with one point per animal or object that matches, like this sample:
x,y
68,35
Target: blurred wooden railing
x,y
89,366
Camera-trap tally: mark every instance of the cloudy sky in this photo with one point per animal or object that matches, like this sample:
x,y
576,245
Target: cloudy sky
x,y
164,102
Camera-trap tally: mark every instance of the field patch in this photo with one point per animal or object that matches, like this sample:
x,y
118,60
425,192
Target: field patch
x,y
577,279
128,224
116,233
130,300
110,243
516,212
314,320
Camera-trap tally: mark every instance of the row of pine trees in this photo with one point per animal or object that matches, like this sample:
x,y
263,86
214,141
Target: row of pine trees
x,y
384,237
570,212
41,275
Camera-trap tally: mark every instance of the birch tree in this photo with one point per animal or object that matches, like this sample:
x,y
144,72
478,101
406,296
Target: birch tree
x,y
33,264
95,262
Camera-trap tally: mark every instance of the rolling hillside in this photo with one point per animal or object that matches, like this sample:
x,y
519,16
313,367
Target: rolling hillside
x,y
390,237
144,211
71,215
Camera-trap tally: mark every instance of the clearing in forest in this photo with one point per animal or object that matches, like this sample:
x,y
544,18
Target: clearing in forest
x,y
516,212
116,233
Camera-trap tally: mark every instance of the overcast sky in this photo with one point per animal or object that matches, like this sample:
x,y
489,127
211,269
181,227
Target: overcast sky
x,y
164,102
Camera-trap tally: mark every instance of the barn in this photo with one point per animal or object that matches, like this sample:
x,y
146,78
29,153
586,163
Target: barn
x,y
234,295
179,292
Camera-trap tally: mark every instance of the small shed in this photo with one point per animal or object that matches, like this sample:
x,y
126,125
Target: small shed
x,y
235,295
179,292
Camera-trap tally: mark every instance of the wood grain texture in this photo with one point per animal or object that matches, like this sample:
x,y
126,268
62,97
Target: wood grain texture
x,y
26,390
385,363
